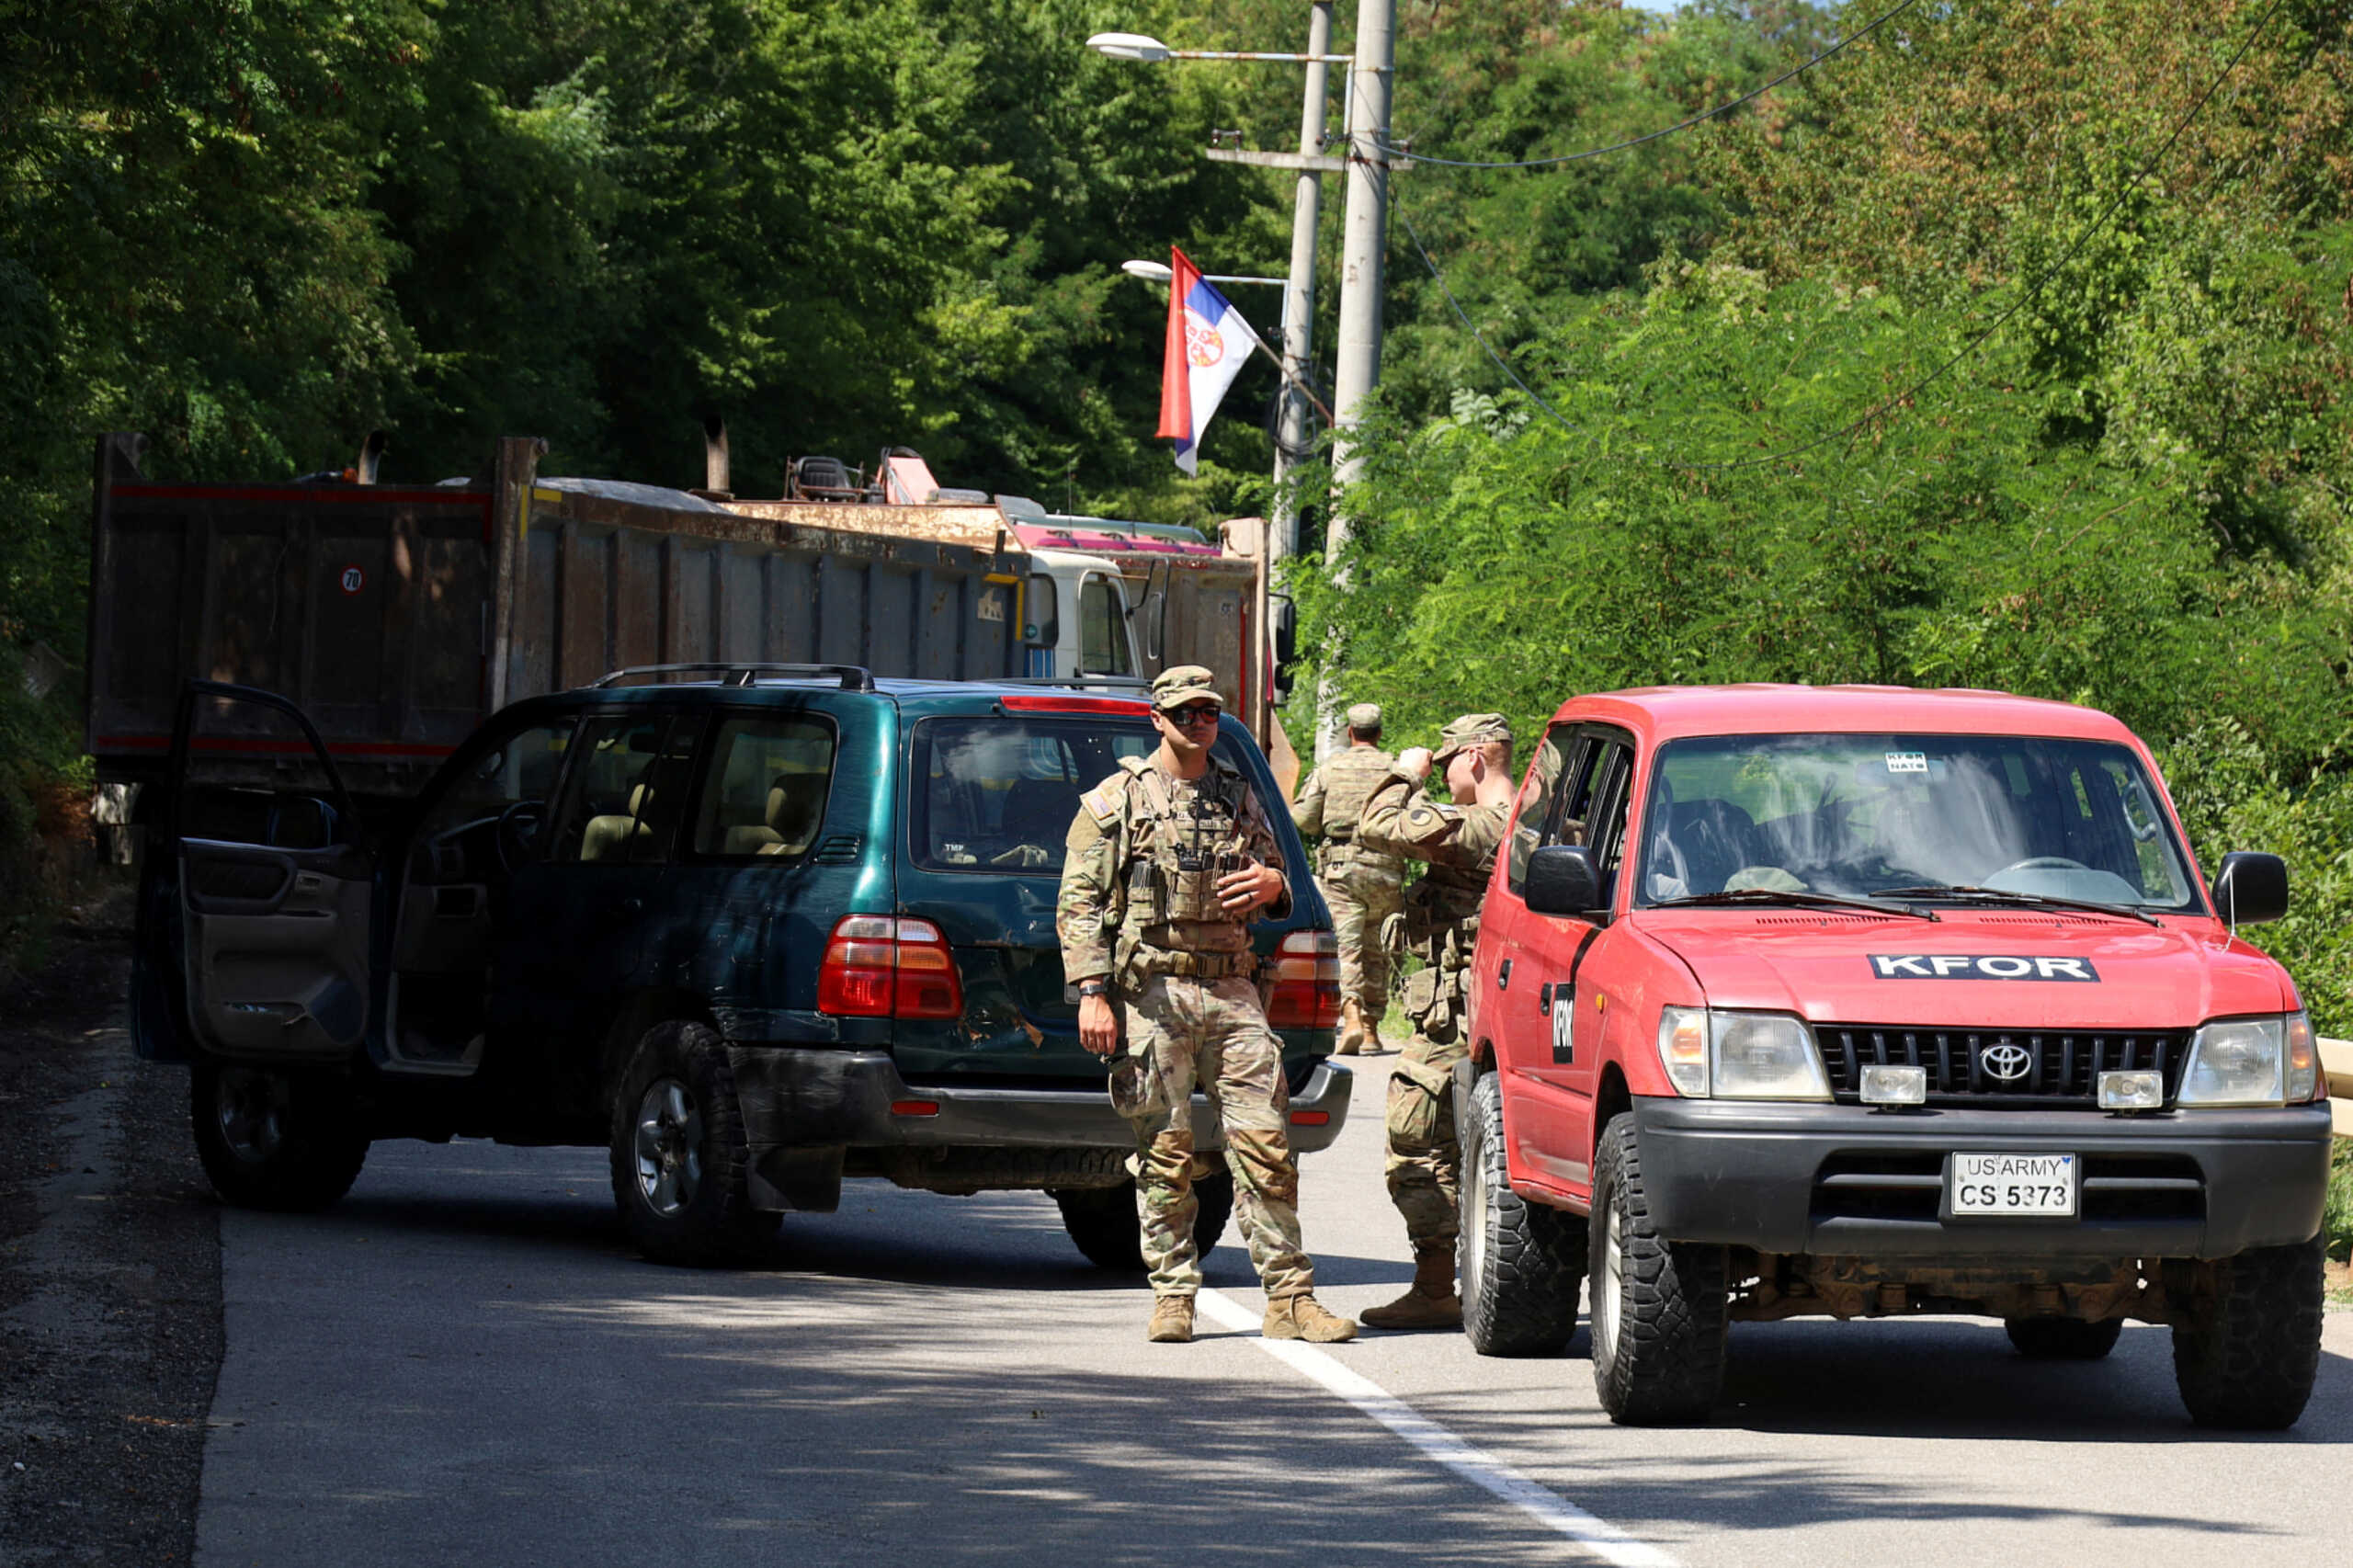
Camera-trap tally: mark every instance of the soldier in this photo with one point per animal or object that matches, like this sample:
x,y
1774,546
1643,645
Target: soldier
x,y
1169,859
1439,923
1361,884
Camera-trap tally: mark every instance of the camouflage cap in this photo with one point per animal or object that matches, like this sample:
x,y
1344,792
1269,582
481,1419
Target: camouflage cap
x,y
1365,716
1471,729
1175,687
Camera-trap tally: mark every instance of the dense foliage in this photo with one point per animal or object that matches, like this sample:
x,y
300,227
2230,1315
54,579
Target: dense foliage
x,y
2134,493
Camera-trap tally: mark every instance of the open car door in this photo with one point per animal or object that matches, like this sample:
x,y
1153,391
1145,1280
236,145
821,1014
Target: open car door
x,y
275,880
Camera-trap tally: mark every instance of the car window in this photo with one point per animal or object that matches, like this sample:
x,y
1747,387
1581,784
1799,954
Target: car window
x,y
998,794
1562,756
764,784
521,767
1854,814
1102,631
285,801
626,789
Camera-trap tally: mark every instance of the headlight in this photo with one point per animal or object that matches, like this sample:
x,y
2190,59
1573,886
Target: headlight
x,y
2238,1062
1740,1056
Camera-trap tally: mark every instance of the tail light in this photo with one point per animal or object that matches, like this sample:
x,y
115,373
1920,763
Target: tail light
x,y
879,967
1306,994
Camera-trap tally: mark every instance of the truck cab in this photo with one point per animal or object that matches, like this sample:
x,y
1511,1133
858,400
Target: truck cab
x,y
1870,1002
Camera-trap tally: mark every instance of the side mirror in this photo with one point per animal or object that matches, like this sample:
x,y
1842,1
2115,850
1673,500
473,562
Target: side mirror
x,y
2251,888
1563,880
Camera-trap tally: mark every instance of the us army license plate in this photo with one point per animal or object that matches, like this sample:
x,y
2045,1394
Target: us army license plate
x,y
2011,1186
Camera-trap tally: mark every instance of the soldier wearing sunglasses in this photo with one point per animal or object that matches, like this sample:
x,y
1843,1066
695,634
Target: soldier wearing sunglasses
x,y
1170,859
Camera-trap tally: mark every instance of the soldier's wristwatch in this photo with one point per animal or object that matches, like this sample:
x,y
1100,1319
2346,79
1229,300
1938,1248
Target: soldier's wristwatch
x,y
1093,988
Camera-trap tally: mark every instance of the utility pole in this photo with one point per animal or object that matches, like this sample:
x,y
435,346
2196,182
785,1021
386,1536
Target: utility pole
x,y
1292,432
1357,358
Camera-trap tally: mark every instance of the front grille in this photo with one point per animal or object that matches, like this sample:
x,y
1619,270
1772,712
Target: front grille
x,y
1909,1185
2061,1066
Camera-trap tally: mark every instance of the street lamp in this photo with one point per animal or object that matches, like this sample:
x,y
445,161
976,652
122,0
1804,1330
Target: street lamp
x,y
1157,272
1293,434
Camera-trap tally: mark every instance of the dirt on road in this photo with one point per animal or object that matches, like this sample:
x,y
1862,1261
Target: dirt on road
x,y
110,1275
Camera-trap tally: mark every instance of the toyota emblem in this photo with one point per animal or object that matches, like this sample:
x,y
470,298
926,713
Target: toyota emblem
x,y
2008,1062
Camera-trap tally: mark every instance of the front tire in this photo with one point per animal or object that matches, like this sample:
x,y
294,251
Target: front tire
x,y
1522,1262
271,1139
1103,1224
2063,1339
1658,1307
681,1166
2247,1348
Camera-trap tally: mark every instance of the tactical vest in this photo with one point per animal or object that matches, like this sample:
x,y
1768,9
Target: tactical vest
x,y
1176,840
1348,778
1445,900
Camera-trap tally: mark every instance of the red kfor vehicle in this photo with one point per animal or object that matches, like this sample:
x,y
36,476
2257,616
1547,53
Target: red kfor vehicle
x,y
1864,1001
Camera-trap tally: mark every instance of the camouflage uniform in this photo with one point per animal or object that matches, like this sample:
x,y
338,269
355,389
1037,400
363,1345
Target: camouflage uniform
x,y
1362,884
1139,907
1439,924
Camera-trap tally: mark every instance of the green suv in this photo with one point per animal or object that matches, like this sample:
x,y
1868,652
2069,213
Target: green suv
x,y
753,928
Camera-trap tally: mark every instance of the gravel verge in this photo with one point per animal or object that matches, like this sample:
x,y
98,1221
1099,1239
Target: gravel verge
x,y
109,1277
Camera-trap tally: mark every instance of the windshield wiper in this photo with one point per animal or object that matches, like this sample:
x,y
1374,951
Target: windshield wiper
x,y
1776,895
1962,893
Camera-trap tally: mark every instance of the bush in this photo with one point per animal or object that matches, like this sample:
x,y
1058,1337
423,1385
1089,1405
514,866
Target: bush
x,y
2338,1218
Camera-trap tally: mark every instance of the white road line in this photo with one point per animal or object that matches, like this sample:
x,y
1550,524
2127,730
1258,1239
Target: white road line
x,y
1546,1507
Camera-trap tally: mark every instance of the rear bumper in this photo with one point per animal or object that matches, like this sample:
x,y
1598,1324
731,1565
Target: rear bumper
x,y
1843,1181
816,1099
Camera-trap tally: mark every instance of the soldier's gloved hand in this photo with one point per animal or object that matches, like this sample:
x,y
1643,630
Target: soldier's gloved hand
x,y
1098,1025
1414,762
1253,887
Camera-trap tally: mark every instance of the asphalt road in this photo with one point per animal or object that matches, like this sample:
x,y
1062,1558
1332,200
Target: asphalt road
x,y
463,1363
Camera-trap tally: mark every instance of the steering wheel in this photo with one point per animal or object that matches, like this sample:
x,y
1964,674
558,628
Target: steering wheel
x,y
2044,863
518,826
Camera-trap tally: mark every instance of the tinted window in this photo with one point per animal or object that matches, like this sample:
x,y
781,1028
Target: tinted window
x,y
992,794
626,789
763,788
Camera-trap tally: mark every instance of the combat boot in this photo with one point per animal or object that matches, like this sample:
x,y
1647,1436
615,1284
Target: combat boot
x,y
1372,1046
1351,1028
1172,1321
1430,1300
1304,1317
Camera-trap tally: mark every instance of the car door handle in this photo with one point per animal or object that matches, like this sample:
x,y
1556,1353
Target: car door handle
x,y
1544,998
1503,976
632,907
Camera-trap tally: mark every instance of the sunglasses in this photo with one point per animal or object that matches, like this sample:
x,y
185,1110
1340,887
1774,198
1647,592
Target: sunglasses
x,y
1192,715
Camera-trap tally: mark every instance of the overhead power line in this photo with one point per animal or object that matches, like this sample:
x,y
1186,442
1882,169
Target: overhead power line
x,y
1700,119
1966,349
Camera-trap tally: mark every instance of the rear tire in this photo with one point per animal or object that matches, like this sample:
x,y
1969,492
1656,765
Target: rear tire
x,y
681,1166
1658,1310
1522,1262
2246,1346
1102,1220
273,1138
2063,1339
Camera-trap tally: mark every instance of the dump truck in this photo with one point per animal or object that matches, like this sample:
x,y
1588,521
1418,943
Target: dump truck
x,y
399,616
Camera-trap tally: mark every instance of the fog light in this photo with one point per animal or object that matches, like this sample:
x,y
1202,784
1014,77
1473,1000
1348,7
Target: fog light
x,y
1895,1086
2132,1091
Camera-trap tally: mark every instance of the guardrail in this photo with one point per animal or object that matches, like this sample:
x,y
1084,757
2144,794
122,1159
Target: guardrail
x,y
2337,1060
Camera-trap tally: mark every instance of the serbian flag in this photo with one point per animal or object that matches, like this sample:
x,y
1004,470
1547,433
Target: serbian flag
x,y
1208,343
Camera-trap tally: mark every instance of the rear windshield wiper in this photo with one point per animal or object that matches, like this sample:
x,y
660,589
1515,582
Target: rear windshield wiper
x,y
1776,895
1962,893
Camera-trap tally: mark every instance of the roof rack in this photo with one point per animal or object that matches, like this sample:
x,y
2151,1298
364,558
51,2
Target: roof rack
x,y
854,677
1122,683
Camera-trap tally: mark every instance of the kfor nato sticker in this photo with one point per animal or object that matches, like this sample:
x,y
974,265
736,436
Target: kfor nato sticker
x,y
1981,966
1907,762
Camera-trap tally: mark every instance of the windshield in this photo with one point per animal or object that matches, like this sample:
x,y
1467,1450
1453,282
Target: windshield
x,y
1853,815
998,794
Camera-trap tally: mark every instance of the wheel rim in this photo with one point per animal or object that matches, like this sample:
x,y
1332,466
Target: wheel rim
x,y
1613,1279
249,1109
669,1147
